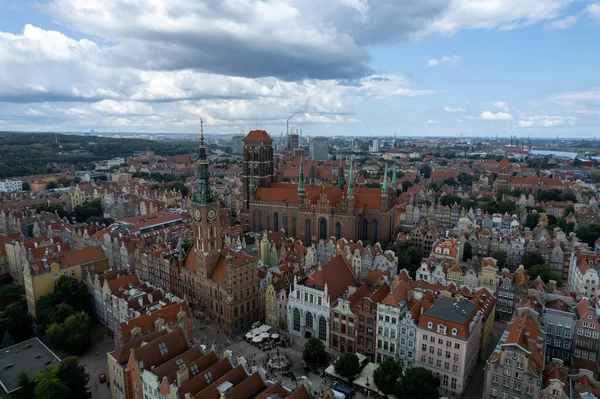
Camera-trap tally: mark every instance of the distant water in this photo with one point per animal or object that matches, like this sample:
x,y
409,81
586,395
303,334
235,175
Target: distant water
x,y
563,154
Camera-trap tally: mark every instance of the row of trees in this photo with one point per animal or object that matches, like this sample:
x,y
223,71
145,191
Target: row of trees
x,y
16,324
416,382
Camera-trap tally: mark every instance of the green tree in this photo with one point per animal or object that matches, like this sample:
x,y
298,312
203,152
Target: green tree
x,y
564,226
425,171
450,182
73,335
386,375
52,185
589,233
347,365
465,178
72,292
314,352
433,186
467,251
17,322
532,258
532,220
545,273
10,293
49,386
406,185
418,383
569,209
501,257
7,340
26,186
449,200
409,257
74,375
27,385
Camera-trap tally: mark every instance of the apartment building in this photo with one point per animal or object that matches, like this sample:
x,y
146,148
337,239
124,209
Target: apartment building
x,y
448,342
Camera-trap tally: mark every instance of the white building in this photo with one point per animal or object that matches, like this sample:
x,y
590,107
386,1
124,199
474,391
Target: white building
x,y
583,275
9,186
311,299
375,146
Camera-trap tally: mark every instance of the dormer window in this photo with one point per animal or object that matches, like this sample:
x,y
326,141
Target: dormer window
x,y
454,332
430,325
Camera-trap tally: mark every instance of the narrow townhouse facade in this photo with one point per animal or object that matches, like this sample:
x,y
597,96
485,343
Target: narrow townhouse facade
x,y
516,367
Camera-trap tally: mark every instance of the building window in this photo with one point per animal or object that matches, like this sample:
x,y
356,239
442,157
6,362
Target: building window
x,y
296,320
454,332
322,329
162,347
453,384
493,392
445,381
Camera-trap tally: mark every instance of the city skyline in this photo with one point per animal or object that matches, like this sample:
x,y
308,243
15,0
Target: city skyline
x,y
357,68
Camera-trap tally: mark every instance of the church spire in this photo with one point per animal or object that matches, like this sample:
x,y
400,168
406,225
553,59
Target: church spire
x,y
203,190
351,179
384,189
341,181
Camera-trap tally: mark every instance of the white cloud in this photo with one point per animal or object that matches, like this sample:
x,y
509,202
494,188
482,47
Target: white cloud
x,y
504,15
498,116
562,24
547,121
432,122
111,107
450,109
502,105
593,11
35,112
586,96
449,61
459,121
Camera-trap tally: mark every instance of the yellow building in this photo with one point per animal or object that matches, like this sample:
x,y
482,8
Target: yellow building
x,y
488,276
41,275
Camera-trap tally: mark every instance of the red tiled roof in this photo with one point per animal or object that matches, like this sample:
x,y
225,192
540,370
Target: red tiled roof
x,y
147,321
336,274
258,135
220,270
124,282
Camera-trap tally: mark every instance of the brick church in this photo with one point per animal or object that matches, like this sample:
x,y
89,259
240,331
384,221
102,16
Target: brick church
x,y
224,283
311,212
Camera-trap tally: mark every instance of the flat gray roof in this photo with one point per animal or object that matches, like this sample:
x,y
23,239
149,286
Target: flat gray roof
x,y
31,356
444,309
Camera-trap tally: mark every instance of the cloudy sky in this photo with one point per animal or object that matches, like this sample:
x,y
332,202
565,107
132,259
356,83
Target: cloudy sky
x,y
357,67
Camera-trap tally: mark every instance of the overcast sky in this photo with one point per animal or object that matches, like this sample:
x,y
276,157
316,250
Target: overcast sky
x,y
356,67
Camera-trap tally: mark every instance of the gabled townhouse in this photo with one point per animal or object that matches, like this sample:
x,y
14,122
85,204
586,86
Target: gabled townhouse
x,y
311,299
366,331
558,316
586,334
516,367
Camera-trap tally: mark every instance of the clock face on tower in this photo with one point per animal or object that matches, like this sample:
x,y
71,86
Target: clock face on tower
x,y
197,214
212,214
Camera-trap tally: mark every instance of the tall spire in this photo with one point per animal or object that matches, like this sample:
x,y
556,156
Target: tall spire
x,y
351,179
301,177
384,189
341,181
203,190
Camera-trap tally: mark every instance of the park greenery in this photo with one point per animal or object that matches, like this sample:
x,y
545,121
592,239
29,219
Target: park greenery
x,y
63,316
34,153
409,256
413,383
545,273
